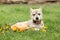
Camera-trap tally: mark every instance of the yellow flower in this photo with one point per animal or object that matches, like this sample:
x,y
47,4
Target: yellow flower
x,y
6,26
0,28
14,28
44,30
44,27
20,30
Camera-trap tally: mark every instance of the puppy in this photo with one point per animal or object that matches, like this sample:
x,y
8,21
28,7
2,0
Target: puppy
x,y
35,22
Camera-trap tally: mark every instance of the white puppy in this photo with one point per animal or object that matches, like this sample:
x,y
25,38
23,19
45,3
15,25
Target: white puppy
x,y
36,20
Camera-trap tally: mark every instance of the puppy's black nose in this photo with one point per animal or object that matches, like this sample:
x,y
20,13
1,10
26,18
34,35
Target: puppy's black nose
x,y
36,18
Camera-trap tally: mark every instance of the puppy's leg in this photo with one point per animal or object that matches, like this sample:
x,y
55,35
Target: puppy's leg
x,y
42,25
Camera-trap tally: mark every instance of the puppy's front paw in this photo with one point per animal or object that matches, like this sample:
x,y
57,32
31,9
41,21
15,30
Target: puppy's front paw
x,y
36,29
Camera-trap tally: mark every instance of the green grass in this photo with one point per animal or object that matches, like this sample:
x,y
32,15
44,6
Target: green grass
x,y
16,13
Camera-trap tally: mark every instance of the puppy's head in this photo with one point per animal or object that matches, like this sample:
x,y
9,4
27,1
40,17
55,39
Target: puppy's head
x,y
36,14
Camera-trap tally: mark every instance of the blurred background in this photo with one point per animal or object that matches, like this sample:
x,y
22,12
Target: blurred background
x,y
28,1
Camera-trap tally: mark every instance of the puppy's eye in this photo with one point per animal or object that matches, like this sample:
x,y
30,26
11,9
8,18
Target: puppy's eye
x,y
39,14
33,14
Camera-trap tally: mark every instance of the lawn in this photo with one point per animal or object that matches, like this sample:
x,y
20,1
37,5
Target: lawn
x,y
11,14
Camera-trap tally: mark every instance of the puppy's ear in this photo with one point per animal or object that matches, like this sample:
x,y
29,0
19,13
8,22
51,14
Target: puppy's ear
x,y
31,9
40,9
